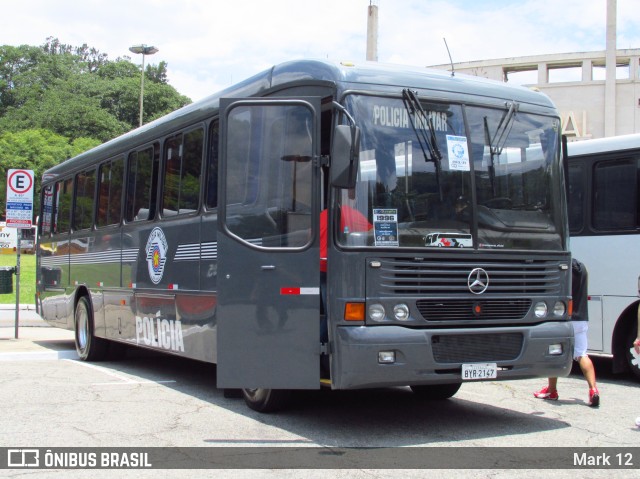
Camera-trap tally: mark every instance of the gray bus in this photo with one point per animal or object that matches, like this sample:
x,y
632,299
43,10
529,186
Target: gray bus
x,y
278,229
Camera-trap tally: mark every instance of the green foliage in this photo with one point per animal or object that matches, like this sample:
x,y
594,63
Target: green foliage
x,y
57,100
36,150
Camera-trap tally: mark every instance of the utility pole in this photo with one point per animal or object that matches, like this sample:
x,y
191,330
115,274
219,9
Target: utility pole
x,y
372,32
611,65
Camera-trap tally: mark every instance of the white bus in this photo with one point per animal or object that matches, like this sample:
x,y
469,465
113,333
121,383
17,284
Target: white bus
x,y
604,221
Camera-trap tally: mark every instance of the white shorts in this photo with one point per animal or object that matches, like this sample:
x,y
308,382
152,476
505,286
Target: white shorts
x,y
580,329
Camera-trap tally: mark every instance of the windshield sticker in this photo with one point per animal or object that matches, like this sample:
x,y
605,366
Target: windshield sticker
x,y
156,249
393,117
458,153
449,240
385,225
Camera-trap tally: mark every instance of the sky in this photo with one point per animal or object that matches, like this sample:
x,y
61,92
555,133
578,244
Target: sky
x,y
212,44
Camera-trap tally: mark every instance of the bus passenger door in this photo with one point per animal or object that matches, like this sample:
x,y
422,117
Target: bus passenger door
x,y
268,248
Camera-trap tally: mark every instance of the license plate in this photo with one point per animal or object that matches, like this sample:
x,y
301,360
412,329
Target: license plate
x,y
471,372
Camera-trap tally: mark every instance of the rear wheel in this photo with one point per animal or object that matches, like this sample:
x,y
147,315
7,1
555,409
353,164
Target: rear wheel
x,y
436,391
266,400
88,346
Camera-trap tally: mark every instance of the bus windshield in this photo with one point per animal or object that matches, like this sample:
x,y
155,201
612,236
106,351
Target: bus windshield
x,y
422,179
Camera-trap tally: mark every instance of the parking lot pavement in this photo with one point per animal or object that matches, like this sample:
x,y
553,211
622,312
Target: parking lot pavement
x,y
36,339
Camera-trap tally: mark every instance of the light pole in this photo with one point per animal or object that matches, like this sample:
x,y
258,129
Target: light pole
x,y
144,50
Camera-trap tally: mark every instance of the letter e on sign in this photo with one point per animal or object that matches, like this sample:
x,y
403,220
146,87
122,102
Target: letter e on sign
x,y
19,206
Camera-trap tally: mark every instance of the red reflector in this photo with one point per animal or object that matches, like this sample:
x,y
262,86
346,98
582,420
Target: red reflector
x,y
289,291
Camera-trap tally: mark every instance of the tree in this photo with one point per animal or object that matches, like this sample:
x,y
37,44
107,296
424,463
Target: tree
x,y
14,63
57,100
77,92
157,73
36,150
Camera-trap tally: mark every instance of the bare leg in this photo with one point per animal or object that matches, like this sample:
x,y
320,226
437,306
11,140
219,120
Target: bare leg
x,y
553,383
588,371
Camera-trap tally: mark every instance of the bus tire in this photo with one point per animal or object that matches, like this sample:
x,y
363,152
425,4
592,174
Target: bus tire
x,y
436,391
88,346
632,362
266,400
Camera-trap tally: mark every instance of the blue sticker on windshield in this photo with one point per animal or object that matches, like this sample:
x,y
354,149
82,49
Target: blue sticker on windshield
x,y
458,153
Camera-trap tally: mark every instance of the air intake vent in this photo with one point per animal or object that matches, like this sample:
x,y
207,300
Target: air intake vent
x,y
476,347
457,310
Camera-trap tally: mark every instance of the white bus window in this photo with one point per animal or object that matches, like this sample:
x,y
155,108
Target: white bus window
x,y
615,208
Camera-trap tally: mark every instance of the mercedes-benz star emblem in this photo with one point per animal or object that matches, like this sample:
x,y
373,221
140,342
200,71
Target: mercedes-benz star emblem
x,y
478,281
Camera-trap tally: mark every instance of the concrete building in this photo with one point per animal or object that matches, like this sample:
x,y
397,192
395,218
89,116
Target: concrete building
x,y
592,102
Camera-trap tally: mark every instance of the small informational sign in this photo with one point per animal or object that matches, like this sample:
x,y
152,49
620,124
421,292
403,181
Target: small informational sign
x,y
19,209
385,225
458,153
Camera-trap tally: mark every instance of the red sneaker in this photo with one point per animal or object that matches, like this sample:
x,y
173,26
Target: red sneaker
x,y
594,397
545,394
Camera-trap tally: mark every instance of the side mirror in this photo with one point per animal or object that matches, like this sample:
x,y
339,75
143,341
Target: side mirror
x,y
345,155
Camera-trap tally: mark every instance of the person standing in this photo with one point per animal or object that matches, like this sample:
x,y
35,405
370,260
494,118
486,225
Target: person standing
x,y
636,346
579,321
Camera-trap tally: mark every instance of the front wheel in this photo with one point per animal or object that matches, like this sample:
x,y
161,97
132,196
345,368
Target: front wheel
x,y
266,400
88,346
436,391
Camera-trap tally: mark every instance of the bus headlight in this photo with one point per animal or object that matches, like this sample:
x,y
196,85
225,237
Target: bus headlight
x,y
376,312
559,308
401,312
540,309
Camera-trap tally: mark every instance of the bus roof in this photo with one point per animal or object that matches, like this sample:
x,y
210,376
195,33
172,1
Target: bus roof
x,y
602,145
342,76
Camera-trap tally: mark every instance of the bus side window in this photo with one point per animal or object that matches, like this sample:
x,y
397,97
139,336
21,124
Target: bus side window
x,y
110,180
62,212
47,210
182,171
171,177
141,187
84,200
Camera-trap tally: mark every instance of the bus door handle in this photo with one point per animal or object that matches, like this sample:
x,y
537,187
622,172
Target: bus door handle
x,y
267,267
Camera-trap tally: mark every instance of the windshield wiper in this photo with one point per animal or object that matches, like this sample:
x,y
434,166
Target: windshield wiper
x,y
428,143
499,140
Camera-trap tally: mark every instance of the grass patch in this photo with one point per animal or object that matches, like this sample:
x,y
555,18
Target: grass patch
x,y
27,278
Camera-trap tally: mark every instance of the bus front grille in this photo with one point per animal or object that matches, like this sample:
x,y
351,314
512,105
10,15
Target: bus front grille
x,y
476,347
444,277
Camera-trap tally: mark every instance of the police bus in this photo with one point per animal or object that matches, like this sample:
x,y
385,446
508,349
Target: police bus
x,y
604,221
199,234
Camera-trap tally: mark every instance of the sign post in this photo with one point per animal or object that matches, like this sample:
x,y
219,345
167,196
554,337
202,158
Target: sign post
x,y
19,214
